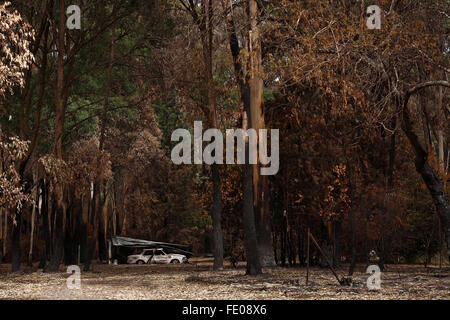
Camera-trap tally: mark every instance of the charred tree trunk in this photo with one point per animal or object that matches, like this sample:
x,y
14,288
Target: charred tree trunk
x,y
15,245
1,236
263,224
33,217
257,122
83,217
250,236
216,219
69,254
275,247
102,250
57,247
389,194
352,222
434,184
283,245
300,249
5,233
70,239
91,241
36,195
337,230
251,243
45,226
77,211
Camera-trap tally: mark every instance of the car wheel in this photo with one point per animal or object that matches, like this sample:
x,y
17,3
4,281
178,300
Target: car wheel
x,y
140,262
175,261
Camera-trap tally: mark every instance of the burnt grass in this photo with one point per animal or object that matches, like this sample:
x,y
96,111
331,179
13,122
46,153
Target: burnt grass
x,y
199,281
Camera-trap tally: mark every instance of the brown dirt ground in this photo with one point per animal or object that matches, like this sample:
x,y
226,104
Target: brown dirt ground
x,y
198,281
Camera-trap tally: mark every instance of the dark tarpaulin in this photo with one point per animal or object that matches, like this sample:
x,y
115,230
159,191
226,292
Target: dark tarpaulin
x,y
130,242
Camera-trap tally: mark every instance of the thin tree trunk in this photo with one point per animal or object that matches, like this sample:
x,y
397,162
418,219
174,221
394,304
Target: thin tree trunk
x,y
283,244
352,222
33,215
45,226
300,248
263,223
57,248
83,224
59,99
5,233
337,228
91,243
250,235
1,235
15,247
441,137
251,243
216,219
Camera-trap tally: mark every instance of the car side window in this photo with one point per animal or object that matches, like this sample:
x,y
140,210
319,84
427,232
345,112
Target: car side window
x,y
148,253
159,253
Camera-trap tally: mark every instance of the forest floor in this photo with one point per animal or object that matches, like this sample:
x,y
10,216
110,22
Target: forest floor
x,y
197,281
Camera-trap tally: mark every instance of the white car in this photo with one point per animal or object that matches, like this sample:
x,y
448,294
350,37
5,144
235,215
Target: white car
x,y
156,256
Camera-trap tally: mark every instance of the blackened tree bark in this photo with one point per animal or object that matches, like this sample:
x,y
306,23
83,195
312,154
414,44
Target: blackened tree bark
x,y
337,230
352,221
91,241
70,234
83,217
300,249
250,236
283,244
69,254
264,223
251,242
434,184
216,219
57,243
102,250
45,226
257,122
35,193
1,236
15,245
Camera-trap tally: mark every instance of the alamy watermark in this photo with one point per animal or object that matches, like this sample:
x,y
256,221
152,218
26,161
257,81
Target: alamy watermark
x,y
374,281
213,152
74,280
74,20
374,17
